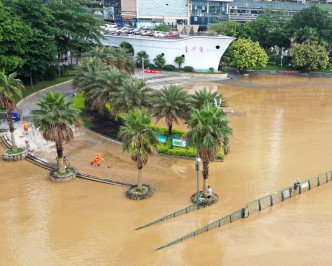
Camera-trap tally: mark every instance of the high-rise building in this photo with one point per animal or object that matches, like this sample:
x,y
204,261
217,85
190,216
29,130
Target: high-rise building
x,y
153,12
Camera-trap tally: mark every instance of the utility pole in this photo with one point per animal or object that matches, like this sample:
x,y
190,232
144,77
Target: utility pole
x,y
143,68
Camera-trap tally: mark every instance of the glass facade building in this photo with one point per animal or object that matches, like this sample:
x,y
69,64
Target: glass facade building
x,y
205,13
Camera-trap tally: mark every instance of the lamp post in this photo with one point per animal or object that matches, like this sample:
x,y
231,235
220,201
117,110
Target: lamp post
x,y
143,68
198,167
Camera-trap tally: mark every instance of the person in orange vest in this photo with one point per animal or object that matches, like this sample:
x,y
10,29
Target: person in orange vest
x,y
26,127
97,160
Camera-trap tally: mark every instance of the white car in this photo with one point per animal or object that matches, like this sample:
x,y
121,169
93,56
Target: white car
x,y
160,34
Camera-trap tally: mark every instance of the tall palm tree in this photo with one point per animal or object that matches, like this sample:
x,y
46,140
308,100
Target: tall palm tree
x,y
202,96
179,60
116,57
139,139
98,83
133,93
54,119
171,103
159,60
140,55
207,127
10,88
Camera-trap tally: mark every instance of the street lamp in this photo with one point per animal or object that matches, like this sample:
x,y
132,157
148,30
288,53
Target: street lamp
x,y
198,167
143,68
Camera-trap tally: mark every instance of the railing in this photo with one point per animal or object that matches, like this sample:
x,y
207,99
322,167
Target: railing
x,y
260,204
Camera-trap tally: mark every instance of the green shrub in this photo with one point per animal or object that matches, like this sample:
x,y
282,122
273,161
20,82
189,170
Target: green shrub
x,y
211,69
188,69
166,148
150,66
79,101
169,67
164,131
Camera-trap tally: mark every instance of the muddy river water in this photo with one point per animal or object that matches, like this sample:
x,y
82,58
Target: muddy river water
x,y
282,131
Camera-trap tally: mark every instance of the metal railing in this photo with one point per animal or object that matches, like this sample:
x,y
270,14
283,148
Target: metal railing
x,y
260,204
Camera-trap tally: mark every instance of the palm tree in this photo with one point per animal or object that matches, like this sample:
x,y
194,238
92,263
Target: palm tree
x,y
207,126
179,60
159,60
10,88
54,119
116,57
202,96
306,35
140,55
133,93
172,103
98,83
139,139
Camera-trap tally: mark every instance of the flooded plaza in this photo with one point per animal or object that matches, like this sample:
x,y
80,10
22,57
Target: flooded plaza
x,y
282,131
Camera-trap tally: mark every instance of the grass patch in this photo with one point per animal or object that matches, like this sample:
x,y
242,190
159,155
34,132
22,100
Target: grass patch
x,y
10,151
135,190
328,70
57,173
271,67
2,130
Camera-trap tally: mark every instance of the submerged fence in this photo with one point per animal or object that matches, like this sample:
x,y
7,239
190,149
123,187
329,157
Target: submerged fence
x,y
191,208
260,204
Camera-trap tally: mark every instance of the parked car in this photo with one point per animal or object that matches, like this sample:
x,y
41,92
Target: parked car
x,y
152,33
173,34
136,31
160,34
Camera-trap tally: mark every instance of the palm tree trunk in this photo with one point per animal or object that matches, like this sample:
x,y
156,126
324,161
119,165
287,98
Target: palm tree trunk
x,y
140,180
11,129
59,151
205,173
170,125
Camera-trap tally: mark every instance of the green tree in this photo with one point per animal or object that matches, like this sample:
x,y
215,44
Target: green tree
x,y
118,58
316,18
14,35
139,56
248,54
233,29
139,139
306,35
202,96
10,88
79,27
41,49
226,58
207,127
309,57
54,119
159,60
163,27
171,103
98,83
179,60
128,47
131,94
270,29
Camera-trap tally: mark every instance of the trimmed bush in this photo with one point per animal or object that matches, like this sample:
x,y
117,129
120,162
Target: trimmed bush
x,y
166,148
188,69
169,67
79,101
211,69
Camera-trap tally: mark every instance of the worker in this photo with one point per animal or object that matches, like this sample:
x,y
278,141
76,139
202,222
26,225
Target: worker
x,y
26,127
97,160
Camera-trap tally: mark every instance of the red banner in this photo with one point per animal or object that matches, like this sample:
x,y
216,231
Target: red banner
x,y
287,71
152,71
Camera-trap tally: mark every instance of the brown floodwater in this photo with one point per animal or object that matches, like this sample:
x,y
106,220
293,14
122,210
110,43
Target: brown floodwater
x,y
280,134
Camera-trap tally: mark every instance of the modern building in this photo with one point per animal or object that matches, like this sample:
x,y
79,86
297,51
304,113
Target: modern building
x,y
207,12
153,12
